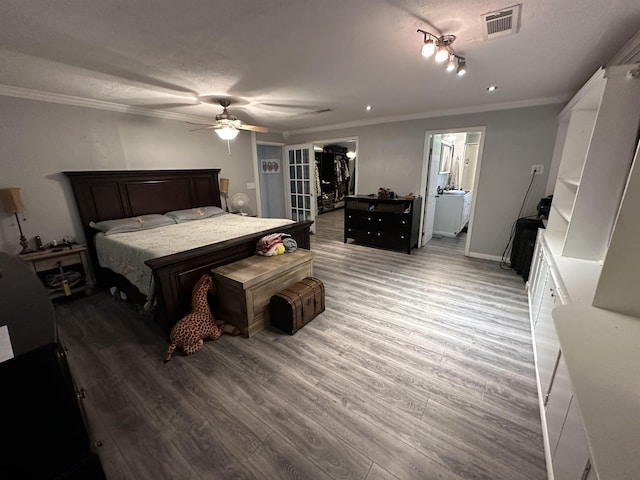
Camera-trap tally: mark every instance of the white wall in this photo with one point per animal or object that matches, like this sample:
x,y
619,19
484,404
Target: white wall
x,y
39,140
390,155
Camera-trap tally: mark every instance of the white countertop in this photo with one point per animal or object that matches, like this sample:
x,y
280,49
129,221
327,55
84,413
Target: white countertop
x,y
578,278
602,352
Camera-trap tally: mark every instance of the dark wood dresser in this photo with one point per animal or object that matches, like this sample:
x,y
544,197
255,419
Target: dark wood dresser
x,y
382,222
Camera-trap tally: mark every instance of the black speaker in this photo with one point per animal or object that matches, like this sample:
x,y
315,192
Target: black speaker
x,y
523,244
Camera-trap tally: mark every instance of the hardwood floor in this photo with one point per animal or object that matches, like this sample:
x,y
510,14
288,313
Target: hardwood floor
x,y
421,367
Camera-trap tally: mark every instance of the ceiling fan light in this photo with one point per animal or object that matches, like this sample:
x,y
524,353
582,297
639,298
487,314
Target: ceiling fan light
x,y
442,54
227,133
462,67
429,48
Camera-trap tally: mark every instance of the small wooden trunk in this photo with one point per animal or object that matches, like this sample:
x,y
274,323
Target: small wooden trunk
x,y
295,306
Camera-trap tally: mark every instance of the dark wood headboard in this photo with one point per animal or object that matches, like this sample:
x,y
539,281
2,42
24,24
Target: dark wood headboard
x,y
109,194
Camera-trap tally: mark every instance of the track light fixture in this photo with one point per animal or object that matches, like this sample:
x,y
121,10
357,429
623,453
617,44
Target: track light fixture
x,y
440,46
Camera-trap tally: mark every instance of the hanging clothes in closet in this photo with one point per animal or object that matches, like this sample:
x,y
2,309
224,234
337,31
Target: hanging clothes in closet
x,y
333,176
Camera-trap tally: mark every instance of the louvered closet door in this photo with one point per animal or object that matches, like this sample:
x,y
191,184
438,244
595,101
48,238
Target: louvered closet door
x,y
300,183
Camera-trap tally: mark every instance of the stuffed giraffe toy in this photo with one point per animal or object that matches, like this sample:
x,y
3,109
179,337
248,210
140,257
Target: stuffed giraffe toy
x,y
189,333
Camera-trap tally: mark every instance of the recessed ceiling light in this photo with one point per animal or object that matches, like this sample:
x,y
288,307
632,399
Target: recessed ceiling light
x,y
368,108
492,88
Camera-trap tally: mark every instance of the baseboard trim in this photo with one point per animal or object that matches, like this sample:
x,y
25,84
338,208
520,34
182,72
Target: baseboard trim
x,y
484,256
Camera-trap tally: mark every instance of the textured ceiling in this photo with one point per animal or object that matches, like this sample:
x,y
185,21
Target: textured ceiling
x,y
282,60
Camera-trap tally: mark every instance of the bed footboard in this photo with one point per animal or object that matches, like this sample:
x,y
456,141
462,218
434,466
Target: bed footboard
x,y
175,275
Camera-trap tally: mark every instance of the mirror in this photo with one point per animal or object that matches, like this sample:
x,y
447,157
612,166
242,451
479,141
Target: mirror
x,y
446,154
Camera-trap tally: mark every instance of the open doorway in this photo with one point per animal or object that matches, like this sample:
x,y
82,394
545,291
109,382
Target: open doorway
x,y
450,172
335,179
331,177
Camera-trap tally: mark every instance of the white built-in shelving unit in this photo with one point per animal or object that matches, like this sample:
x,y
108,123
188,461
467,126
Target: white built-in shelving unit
x,y
598,145
587,258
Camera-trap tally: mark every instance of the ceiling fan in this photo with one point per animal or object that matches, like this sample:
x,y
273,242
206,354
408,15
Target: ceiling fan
x,y
228,126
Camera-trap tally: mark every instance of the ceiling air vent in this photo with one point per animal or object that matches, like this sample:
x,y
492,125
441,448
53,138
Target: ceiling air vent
x,y
501,22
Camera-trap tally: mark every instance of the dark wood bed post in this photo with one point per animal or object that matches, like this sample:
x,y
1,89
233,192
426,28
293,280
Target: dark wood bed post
x,y
106,195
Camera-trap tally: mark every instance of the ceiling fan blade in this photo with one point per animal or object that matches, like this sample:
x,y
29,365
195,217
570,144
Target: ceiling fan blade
x,y
209,127
196,123
253,128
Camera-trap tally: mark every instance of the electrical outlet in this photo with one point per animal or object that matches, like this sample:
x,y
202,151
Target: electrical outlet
x,y
537,169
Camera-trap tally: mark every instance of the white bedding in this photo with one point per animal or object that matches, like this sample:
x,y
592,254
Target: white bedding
x,y
125,253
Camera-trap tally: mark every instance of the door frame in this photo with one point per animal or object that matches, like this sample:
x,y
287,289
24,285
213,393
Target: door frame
x,y
256,172
426,157
355,140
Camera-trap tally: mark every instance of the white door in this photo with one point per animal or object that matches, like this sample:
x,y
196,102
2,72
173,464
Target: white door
x,y
300,183
431,194
271,180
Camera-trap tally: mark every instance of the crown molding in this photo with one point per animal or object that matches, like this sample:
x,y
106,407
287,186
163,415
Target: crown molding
x,y
19,92
536,102
630,53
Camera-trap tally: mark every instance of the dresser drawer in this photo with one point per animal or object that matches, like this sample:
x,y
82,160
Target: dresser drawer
x,y
363,219
380,221
51,263
395,221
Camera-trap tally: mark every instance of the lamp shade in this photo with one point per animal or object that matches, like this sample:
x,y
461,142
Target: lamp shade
x,y
224,185
462,67
442,54
11,200
428,48
227,133
451,64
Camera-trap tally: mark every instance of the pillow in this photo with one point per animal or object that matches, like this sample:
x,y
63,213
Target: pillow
x,y
133,224
194,213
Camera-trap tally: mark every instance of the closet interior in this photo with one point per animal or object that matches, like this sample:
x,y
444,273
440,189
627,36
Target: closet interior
x,y
333,177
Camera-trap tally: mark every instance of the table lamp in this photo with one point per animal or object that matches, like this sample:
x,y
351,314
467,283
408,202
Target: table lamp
x,y
12,203
224,189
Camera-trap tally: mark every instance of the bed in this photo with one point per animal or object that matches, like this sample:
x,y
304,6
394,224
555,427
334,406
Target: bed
x,y
108,195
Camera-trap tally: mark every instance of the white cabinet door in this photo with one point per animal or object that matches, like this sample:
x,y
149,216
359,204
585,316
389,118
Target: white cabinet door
x,y
539,273
572,452
547,343
448,215
558,403
567,439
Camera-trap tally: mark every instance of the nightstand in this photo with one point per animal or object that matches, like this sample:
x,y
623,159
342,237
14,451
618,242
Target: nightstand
x,y
62,270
